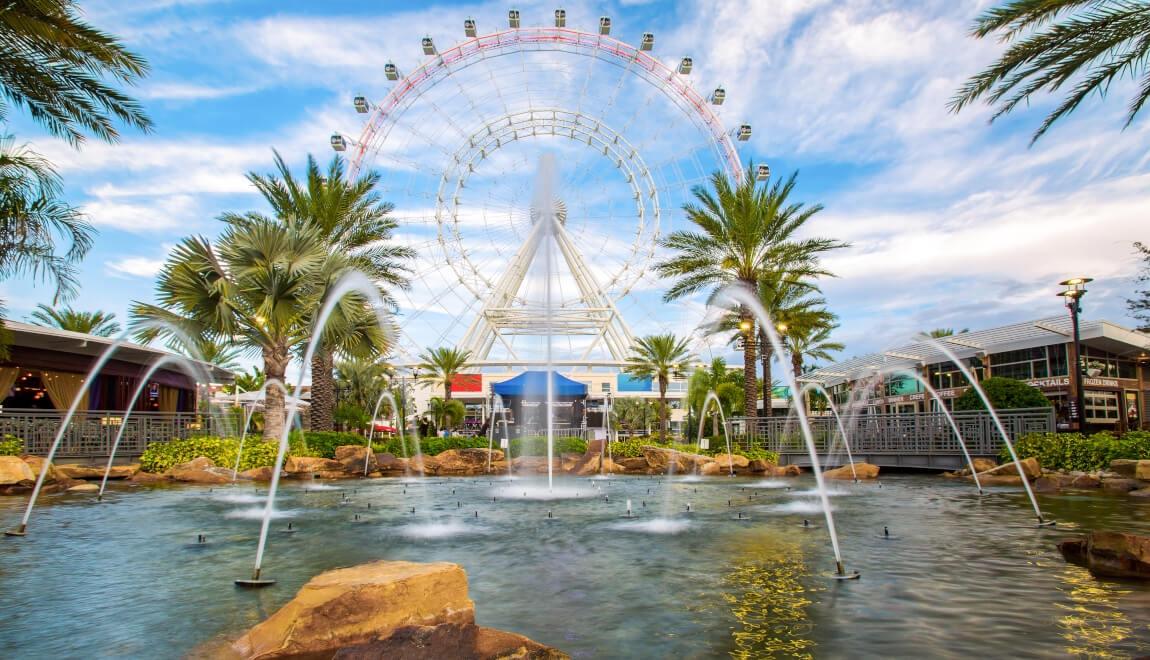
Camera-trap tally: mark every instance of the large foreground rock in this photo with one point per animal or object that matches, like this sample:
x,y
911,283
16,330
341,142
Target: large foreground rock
x,y
1131,469
200,470
76,471
661,459
13,470
305,465
451,640
352,458
862,470
466,461
1110,554
384,609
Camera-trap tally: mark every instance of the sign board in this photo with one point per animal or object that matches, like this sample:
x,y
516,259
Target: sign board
x,y
704,443
504,443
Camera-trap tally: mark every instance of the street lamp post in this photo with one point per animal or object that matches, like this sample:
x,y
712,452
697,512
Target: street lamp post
x,y
1075,289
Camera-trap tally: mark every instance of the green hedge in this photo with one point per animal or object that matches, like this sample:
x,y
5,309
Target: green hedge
x,y
323,443
10,445
537,446
1004,394
160,456
1073,451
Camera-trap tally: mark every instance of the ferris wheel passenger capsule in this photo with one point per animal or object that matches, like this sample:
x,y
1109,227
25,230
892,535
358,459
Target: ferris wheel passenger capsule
x,y
428,46
685,66
718,96
469,27
361,105
604,25
744,133
391,71
648,41
762,173
513,18
338,142
560,18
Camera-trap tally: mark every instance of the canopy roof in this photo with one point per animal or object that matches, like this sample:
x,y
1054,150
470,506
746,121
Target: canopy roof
x,y
534,384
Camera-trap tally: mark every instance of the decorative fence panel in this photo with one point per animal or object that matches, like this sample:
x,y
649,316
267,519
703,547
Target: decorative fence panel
x,y
920,434
91,433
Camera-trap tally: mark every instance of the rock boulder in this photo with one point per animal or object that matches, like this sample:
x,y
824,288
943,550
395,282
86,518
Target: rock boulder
x,y
311,464
726,461
1030,467
75,471
451,640
258,474
83,488
352,458
360,605
466,461
13,470
1124,467
862,470
1110,554
210,475
1121,485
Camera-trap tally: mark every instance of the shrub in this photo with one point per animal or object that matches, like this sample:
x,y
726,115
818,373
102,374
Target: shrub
x,y
161,456
1004,394
537,446
323,443
10,445
1073,451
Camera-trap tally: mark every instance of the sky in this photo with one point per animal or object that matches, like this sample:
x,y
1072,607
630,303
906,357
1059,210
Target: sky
x,y
952,222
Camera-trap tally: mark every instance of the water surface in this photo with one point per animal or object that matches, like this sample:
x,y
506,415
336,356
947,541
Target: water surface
x,y
966,576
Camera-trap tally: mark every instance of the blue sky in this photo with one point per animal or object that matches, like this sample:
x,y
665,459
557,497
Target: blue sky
x,y
952,222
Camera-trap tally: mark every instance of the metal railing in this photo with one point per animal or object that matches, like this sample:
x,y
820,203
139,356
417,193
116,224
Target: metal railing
x,y
922,434
91,433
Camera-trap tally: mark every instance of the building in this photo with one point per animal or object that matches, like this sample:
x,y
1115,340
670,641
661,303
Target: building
x,y
1116,363
46,369
602,388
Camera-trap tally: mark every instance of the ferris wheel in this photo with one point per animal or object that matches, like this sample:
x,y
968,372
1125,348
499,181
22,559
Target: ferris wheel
x,y
457,137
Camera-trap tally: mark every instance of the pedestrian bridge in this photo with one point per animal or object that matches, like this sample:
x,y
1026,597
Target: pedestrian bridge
x,y
912,440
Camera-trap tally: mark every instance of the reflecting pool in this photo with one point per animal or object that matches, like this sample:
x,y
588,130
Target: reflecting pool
x,y
737,575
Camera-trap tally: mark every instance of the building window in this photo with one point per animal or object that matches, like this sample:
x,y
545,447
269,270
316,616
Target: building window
x,y
1102,407
1023,364
1108,364
605,387
945,375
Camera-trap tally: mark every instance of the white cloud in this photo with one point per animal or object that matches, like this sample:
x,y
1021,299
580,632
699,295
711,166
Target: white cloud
x,y
178,91
134,267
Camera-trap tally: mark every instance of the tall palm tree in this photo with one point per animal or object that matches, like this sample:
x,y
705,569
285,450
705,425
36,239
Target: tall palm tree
x,y
659,357
442,366
59,69
363,381
219,353
718,379
633,414
743,231
810,339
33,219
353,219
1086,44
98,323
255,287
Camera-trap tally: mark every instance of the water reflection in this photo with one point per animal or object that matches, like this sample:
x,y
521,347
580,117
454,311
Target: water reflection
x,y
1092,624
770,602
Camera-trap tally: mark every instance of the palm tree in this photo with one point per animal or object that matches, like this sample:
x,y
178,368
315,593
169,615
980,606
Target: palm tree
x,y
218,353
353,219
1088,43
939,333
442,366
745,231
98,323
58,68
811,340
445,413
248,381
633,414
363,381
33,220
255,287
720,380
659,357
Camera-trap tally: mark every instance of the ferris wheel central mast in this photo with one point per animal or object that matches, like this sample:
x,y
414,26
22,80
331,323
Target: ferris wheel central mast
x,y
507,312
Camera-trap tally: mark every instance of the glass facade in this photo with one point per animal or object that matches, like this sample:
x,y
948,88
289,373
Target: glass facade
x,y
945,375
1030,363
1108,364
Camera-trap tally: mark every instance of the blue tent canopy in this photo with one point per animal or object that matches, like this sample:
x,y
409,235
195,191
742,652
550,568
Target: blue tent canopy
x,y
534,384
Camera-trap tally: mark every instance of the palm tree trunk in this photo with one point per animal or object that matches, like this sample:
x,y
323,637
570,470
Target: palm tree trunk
x,y
715,422
750,391
766,352
663,408
276,360
447,389
797,364
322,412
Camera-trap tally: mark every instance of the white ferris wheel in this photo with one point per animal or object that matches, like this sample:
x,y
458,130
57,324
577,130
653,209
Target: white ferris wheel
x,y
457,138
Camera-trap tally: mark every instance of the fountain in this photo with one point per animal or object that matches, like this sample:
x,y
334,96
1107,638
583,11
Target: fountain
x,y
950,419
997,423
371,432
97,366
352,282
712,396
750,301
196,374
248,420
838,420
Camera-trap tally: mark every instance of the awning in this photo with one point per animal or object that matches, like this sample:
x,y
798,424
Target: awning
x,y
533,384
